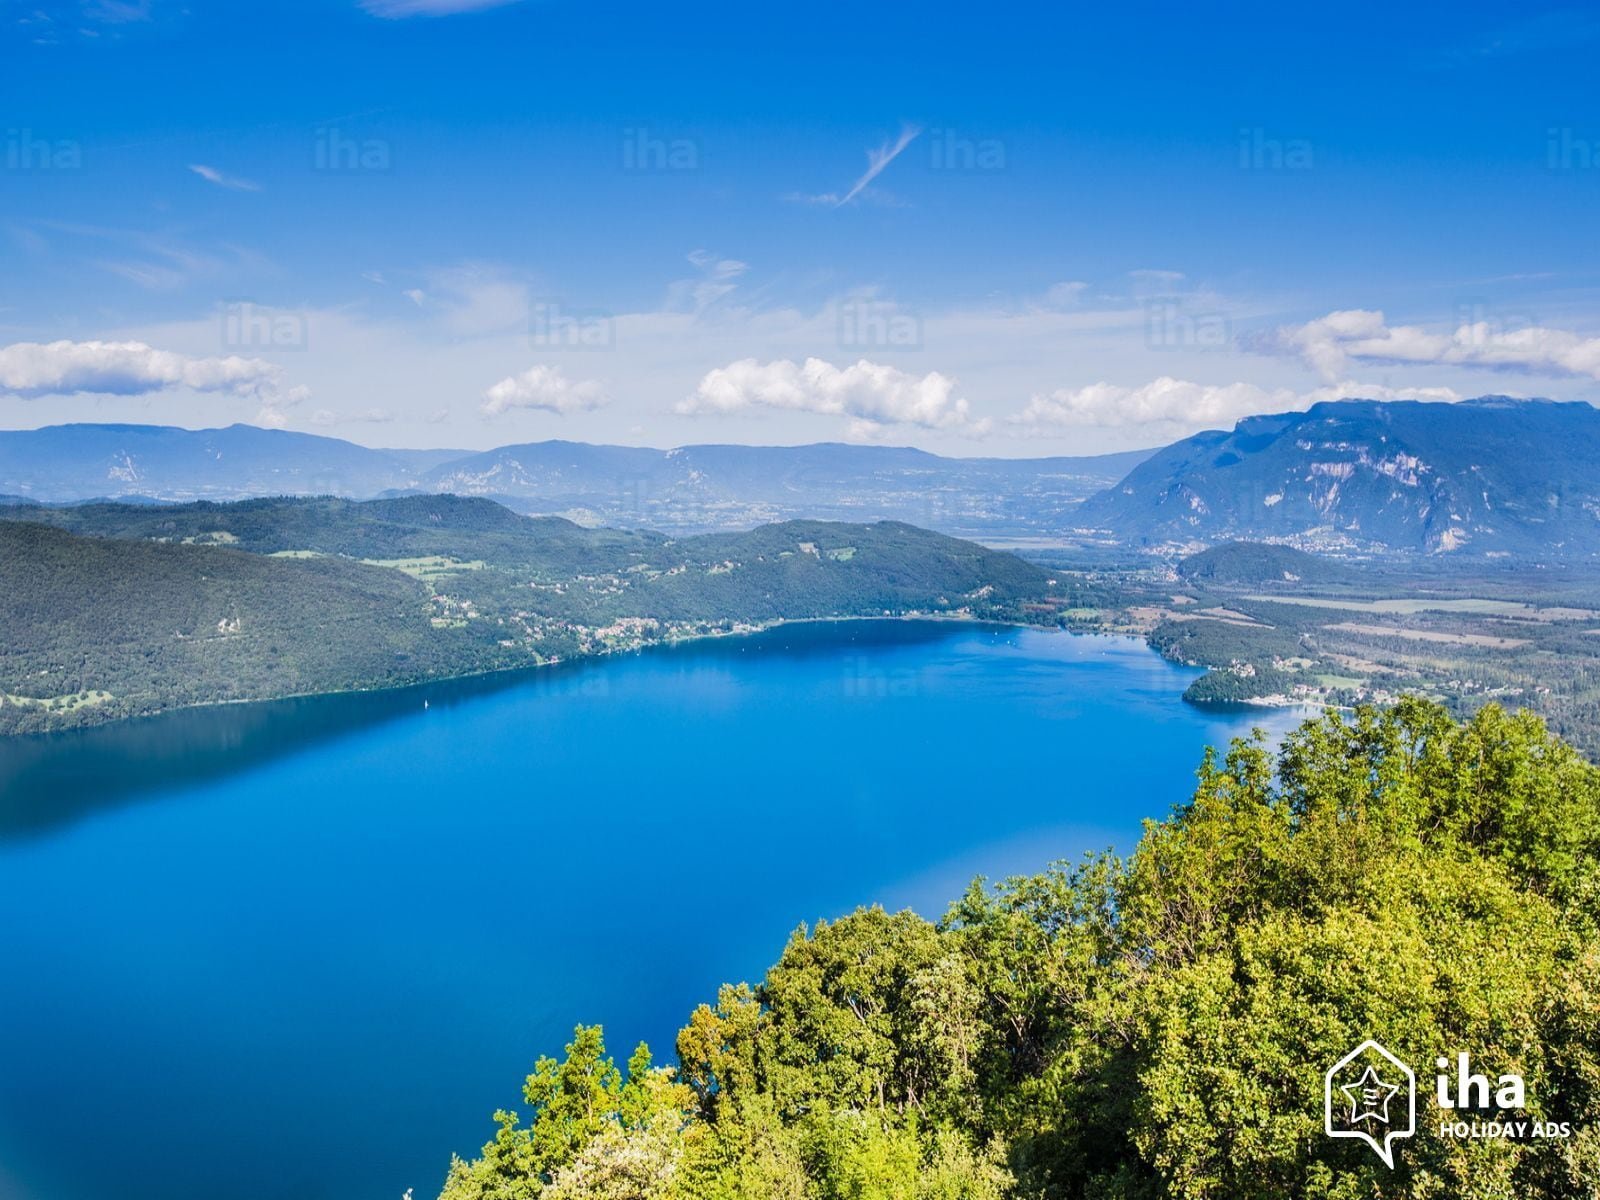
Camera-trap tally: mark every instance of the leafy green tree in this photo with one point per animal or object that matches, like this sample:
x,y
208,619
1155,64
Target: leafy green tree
x,y
1154,1028
591,1132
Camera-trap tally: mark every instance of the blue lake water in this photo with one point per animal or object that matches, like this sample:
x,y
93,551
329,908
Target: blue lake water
x,y
305,949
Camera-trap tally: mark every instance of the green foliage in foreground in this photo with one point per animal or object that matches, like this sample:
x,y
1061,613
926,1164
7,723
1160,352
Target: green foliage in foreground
x,y
1151,1027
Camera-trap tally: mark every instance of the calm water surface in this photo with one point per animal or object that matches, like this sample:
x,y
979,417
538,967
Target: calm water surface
x,y
304,949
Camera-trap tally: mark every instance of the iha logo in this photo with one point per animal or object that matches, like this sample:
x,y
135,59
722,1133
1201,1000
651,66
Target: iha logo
x,y
1490,1108
1371,1095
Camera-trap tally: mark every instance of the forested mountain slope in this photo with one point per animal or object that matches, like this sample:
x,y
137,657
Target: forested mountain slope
x,y
115,610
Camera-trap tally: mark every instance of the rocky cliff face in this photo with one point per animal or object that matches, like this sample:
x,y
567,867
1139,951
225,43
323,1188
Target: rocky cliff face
x,y
1488,476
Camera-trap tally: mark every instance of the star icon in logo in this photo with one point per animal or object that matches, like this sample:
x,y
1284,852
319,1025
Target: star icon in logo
x,y
1369,1098
1356,1099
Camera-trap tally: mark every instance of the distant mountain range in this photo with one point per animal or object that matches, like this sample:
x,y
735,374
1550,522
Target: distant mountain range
x,y
64,463
690,489
1491,476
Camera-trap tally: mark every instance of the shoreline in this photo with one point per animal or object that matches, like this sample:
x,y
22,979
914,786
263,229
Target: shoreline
x,y
529,668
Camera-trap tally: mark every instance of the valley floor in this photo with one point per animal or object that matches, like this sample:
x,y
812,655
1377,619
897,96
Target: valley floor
x,y
1368,632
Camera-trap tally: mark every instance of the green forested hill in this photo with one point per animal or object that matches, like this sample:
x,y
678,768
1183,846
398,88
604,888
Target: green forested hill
x,y
112,610
1155,1028
410,526
1259,563
92,629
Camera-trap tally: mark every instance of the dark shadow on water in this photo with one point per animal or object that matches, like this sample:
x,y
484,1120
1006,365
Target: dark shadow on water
x,y
49,780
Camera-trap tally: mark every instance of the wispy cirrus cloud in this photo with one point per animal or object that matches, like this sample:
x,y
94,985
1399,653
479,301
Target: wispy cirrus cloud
x,y
1329,344
880,158
34,369
85,19
476,299
716,280
223,180
877,160
1539,32
368,416
395,9
161,260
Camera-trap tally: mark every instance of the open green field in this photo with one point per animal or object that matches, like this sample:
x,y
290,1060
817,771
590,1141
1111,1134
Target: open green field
x,y
1269,621
1411,605
427,567
58,704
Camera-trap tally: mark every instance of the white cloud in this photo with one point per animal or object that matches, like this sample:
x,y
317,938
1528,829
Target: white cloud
x,y
819,199
1150,279
232,182
1330,343
1178,405
1069,294
32,369
326,417
394,9
272,415
544,388
116,12
1000,350
870,394
875,196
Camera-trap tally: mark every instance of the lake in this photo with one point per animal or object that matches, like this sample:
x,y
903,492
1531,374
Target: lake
x,y
304,949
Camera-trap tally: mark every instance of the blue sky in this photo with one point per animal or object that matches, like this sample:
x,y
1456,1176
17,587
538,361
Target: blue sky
x,y
1026,231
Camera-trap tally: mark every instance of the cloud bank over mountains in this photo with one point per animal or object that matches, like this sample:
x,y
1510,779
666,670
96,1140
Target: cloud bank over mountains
x,y
1331,343
1067,371
1179,404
